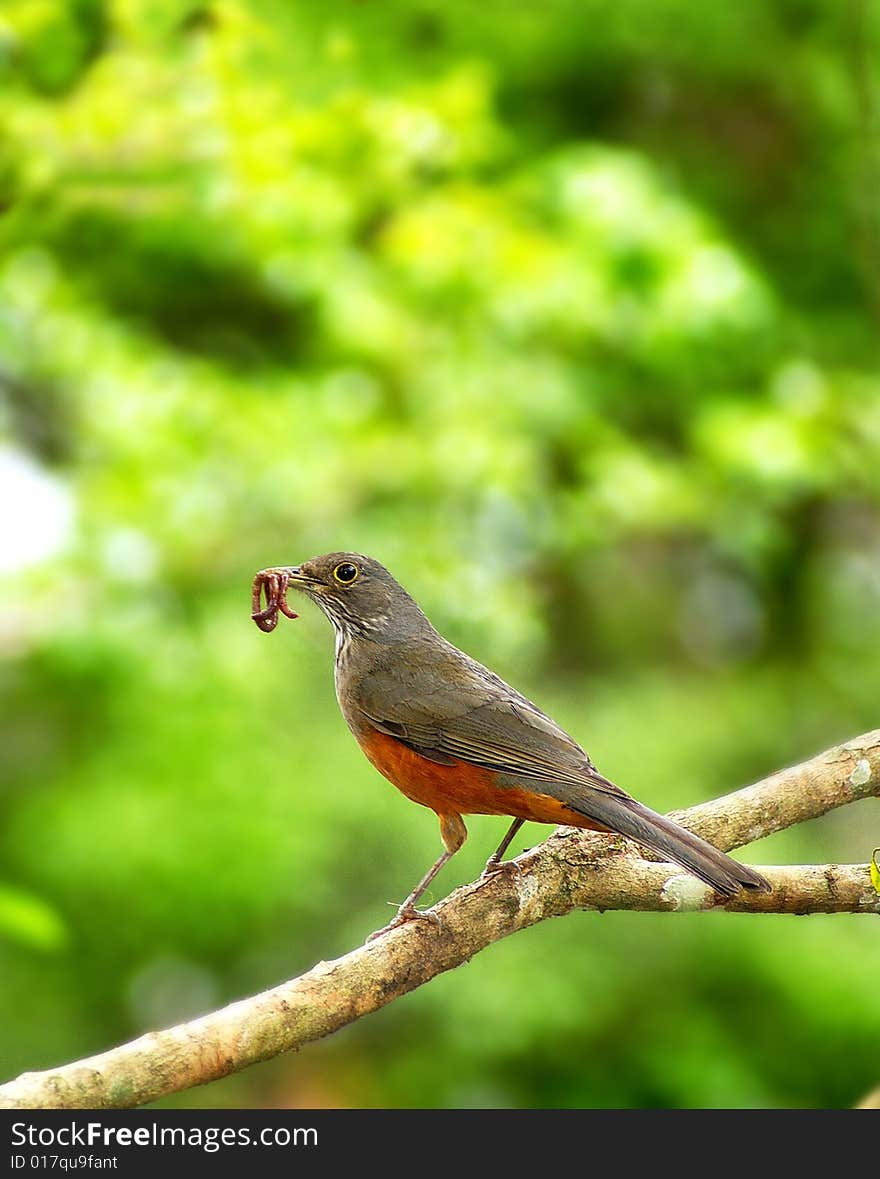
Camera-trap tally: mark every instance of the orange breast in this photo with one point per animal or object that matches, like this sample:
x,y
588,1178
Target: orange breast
x,y
461,788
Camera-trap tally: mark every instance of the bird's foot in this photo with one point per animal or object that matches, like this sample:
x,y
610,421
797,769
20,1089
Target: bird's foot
x,y
407,912
500,868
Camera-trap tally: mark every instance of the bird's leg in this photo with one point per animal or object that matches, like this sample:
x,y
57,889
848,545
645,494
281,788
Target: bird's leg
x,y
407,910
493,864
453,833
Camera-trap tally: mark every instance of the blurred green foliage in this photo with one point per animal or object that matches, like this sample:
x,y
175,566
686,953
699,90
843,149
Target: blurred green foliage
x,y
566,312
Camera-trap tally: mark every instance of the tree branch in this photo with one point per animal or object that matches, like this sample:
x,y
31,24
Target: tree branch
x,y
571,870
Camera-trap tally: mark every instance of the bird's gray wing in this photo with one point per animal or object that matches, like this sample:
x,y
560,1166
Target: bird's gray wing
x,y
464,711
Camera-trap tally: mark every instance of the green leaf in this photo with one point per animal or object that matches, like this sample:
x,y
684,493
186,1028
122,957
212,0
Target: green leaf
x,y
27,919
875,871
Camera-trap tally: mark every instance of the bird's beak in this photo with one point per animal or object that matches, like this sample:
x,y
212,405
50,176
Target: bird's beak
x,y
295,574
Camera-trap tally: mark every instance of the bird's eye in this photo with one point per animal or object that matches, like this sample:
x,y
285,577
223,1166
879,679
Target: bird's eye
x,y
346,573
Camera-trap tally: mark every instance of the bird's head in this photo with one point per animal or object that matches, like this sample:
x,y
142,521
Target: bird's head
x,y
358,595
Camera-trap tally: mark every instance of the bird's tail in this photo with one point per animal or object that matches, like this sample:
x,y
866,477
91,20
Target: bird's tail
x,y
668,839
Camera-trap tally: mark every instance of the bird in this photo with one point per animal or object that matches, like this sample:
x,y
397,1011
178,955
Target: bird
x,y
453,736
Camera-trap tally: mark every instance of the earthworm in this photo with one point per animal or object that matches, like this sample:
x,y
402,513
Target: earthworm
x,y
273,583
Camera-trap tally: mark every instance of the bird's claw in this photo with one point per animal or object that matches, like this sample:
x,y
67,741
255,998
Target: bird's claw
x,y
501,868
405,914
